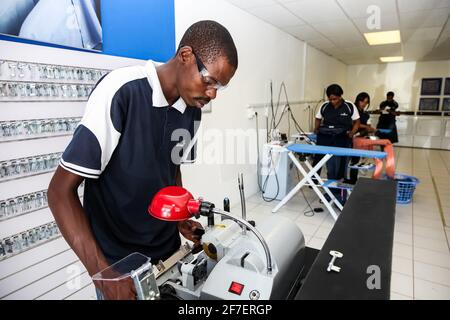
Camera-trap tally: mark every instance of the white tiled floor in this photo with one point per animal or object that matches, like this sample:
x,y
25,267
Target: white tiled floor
x,y
421,256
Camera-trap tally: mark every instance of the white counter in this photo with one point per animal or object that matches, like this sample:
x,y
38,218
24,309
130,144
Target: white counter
x,y
431,132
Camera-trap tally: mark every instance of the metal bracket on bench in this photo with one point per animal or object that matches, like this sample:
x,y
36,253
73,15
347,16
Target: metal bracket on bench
x,y
145,282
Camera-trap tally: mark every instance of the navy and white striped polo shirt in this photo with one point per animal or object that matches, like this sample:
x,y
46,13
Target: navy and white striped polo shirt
x,y
341,117
123,148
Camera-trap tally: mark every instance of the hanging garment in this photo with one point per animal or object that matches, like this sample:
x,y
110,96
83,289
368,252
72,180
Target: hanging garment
x,y
13,13
72,23
367,144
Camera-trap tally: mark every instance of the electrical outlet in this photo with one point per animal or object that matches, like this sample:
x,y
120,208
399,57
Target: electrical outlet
x,y
250,113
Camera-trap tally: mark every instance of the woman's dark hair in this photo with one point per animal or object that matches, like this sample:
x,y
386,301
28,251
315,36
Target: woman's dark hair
x,y
335,90
390,94
361,97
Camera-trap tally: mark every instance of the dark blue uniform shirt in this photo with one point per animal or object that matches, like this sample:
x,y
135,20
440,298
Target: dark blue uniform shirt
x,y
124,147
341,117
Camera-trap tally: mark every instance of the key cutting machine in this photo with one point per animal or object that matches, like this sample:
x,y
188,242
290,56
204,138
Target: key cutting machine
x,y
236,260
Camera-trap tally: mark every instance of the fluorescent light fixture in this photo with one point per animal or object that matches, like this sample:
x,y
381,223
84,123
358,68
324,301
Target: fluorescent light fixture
x,y
391,59
383,37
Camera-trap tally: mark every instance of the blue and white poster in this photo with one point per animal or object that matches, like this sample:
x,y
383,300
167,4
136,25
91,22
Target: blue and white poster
x,y
72,23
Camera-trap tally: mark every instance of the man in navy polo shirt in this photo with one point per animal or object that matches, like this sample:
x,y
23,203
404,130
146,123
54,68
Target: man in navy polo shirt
x,y
123,150
388,114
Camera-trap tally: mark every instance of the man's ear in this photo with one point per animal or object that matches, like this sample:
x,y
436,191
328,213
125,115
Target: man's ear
x,y
184,54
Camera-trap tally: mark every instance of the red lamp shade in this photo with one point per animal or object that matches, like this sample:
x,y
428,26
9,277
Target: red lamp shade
x,y
173,204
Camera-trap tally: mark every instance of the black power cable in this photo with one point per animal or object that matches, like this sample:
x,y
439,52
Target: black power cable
x,y
299,128
262,187
273,125
311,212
286,106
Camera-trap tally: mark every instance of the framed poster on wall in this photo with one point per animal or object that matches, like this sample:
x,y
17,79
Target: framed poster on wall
x,y
447,87
429,104
446,104
431,87
71,23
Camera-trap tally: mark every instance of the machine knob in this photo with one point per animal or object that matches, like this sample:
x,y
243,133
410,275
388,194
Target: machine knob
x,y
210,250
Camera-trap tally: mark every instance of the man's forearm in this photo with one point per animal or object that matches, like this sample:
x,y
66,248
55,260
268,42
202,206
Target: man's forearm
x,y
74,225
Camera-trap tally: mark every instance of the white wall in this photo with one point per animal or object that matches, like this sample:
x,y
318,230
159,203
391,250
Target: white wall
x,y
265,53
321,71
402,78
46,271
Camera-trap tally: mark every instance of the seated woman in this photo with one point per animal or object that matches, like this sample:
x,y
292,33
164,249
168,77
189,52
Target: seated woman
x,y
362,141
362,102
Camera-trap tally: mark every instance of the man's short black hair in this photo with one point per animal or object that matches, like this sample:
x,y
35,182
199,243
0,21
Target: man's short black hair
x,y
210,40
335,90
390,94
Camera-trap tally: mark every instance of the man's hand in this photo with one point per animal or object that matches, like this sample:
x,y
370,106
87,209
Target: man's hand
x,y
351,134
118,290
190,230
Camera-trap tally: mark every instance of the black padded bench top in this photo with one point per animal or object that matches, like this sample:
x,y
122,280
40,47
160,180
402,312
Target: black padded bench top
x,y
364,234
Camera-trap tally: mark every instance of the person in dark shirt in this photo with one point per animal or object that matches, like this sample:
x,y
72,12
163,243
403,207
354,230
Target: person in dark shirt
x,y
362,102
123,150
337,121
388,113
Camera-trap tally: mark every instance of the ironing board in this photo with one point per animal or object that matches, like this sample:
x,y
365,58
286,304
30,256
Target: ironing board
x,y
328,153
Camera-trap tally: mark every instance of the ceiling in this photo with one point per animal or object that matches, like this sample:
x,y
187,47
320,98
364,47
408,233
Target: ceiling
x,y
336,27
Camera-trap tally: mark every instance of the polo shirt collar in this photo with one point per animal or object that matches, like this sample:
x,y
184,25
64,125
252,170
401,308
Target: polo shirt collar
x,y
159,100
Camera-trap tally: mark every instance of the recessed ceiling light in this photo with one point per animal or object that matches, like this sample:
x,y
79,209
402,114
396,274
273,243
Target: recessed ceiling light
x,y
383,37
391,59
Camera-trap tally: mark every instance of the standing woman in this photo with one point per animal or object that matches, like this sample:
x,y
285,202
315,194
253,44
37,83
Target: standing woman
x,y
336,123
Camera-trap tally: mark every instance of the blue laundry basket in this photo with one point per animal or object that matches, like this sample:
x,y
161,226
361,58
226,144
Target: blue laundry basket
x,y
406,185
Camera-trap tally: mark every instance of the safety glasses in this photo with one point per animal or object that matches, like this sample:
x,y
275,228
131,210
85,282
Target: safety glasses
x,y
209,81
